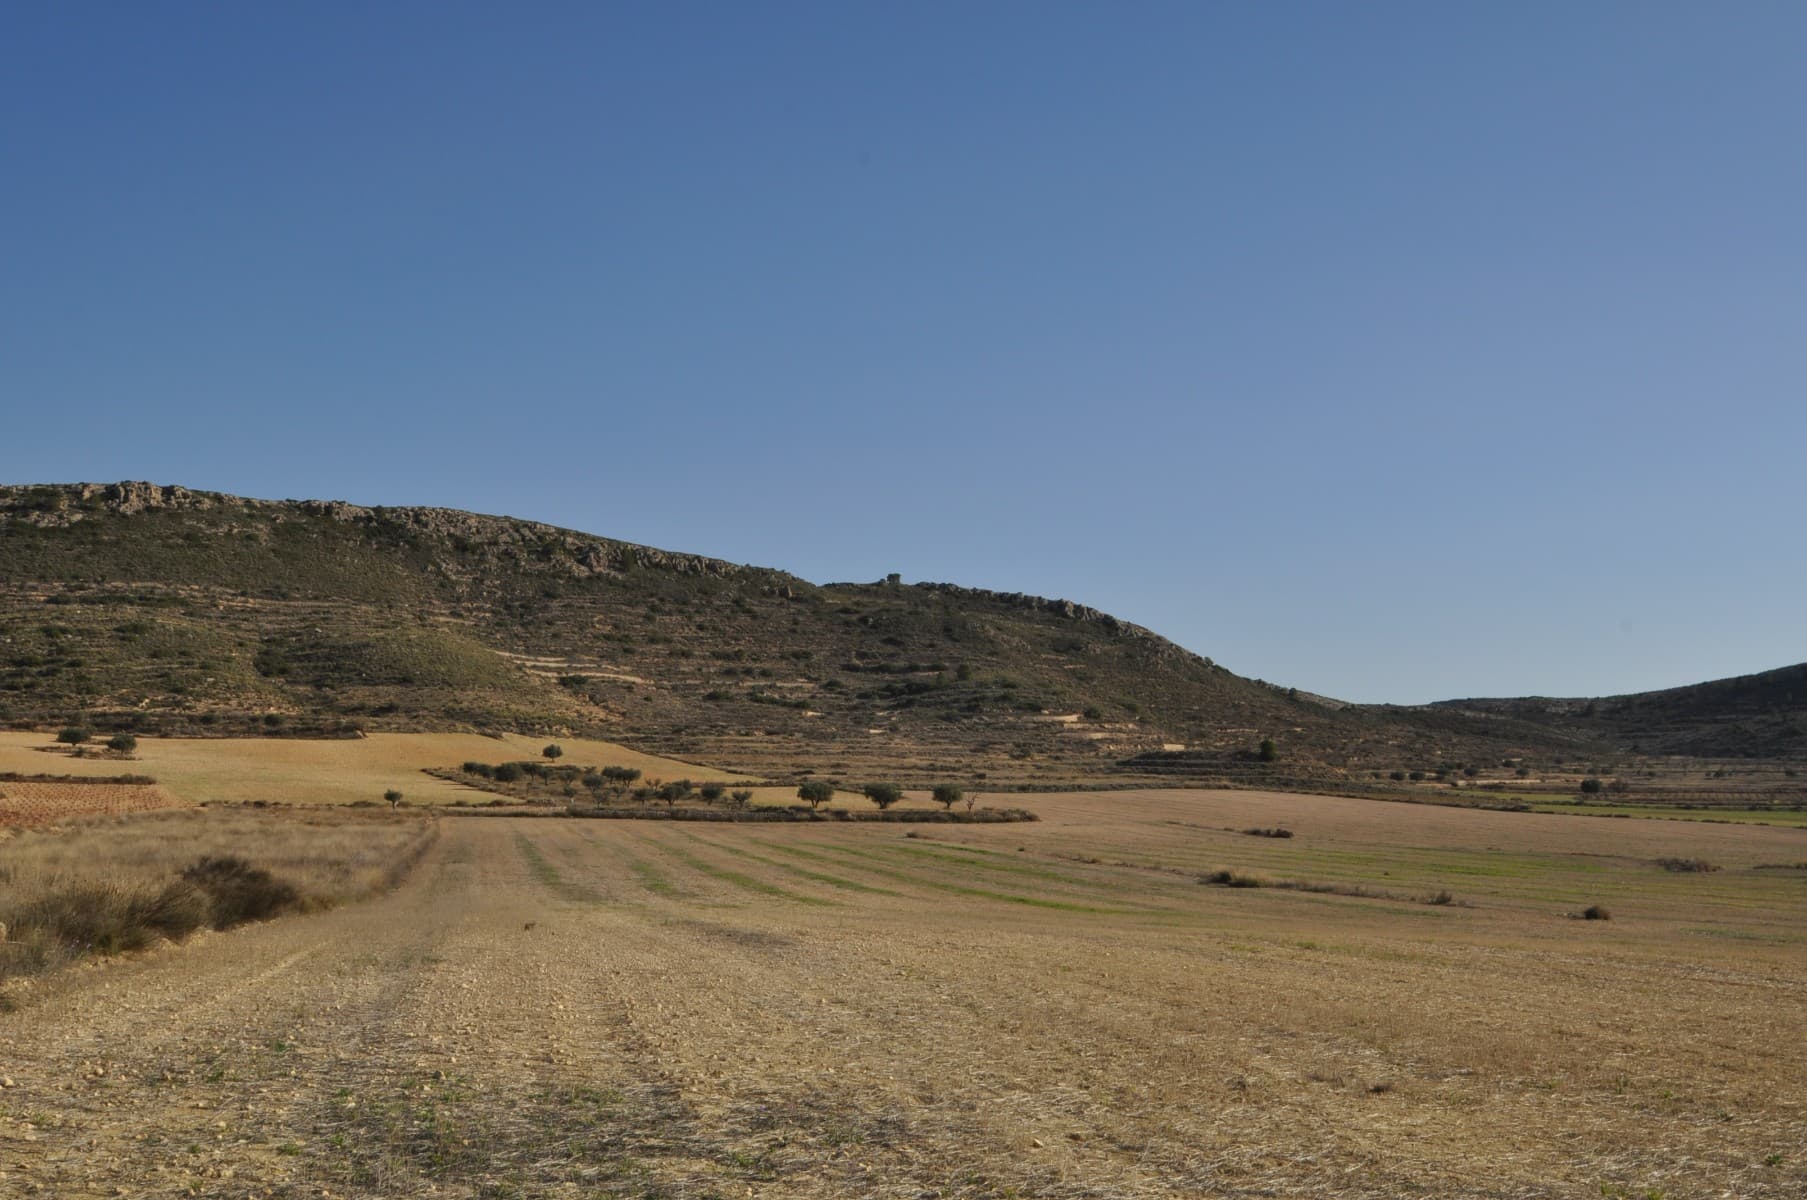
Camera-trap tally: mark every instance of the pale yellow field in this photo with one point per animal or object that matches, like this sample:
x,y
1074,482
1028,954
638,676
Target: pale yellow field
x,y
297,771
561,1009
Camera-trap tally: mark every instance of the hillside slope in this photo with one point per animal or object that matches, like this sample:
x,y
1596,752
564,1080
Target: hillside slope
x,y
1751,716
168,610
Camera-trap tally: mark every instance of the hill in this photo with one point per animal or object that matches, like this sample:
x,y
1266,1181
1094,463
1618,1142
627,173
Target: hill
x,y
1748,716
166,610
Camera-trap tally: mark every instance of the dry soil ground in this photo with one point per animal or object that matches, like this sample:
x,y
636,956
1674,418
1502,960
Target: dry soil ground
x,y
565,1008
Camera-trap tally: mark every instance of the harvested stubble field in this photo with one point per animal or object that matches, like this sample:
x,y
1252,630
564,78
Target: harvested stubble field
x,y
569,1008
312,771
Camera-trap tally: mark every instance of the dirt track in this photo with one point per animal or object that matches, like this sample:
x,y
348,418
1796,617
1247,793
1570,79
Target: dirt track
x,y
555,1008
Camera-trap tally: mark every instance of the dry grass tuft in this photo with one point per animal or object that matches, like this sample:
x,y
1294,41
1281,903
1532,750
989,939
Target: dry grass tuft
x,y
111,887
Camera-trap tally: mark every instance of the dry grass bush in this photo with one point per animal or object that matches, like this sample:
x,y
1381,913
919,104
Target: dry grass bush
x,y
237,891
1684,865
1226,877
115,886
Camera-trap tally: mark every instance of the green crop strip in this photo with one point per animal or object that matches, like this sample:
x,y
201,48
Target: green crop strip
x,y
800,872
959,890
744,882
549,876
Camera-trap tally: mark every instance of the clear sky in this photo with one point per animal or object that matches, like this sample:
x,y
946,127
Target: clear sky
x,y
1394,351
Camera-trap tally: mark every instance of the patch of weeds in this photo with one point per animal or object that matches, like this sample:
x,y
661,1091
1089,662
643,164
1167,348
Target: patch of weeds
x,y
1687,865
1224,877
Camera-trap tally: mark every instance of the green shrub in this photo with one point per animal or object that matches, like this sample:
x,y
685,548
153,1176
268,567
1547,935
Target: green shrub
x,y
554,751
122,743
507,772
948,794
816,792
74,735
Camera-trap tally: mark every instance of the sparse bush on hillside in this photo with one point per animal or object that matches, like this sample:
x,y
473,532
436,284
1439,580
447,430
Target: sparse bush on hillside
x,y
712,792
122,743
741,798
554,751
74,735
1591,787
393,797
1269,752
507,772
948,794
621,774
816,792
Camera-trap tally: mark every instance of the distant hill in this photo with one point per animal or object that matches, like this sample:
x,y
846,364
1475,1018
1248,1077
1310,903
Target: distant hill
x,y
1751,716
162,609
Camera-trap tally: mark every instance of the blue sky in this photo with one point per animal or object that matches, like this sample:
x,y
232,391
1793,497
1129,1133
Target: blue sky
x,y
1394,351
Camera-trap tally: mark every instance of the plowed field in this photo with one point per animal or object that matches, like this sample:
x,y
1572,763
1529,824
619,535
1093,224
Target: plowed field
x,y
34,803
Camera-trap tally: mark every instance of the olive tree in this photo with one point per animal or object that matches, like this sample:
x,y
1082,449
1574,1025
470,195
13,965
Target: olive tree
x,y
883,794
